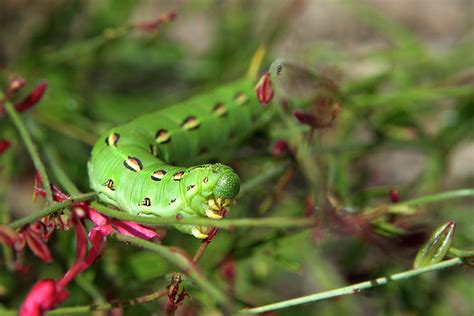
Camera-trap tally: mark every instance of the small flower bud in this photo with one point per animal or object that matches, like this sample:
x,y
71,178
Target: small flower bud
x,y
4,145
14,85
154,25
280,148
305,118
394,195
434,250
32,98
264,89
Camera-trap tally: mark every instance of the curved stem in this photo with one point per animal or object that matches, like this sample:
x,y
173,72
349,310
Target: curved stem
x,y
30,146
107,306
52,208
352,289
439,197
283,222
182,262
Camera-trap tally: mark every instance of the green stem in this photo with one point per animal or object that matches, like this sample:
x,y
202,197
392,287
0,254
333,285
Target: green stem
x,y
182,262
352,289
439,197
454,252
52,208
107,306
263,177
283,222
61,176
30,146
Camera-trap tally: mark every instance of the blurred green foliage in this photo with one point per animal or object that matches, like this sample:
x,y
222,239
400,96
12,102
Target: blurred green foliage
x,y
418,101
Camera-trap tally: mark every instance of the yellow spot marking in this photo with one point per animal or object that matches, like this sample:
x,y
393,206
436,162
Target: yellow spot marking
x,y
163,136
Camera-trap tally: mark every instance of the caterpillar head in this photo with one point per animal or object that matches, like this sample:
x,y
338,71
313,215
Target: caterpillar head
x,y
227,186
220,186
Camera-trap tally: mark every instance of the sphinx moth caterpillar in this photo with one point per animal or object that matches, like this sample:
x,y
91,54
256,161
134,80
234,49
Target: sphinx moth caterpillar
x,y
149,166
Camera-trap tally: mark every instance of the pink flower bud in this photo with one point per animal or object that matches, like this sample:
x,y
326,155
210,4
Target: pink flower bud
x,y
4,145
305,118
32,98
394,195
43,296
280,148
37,246
264,89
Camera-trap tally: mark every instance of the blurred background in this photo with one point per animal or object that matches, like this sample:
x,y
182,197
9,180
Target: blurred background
x,y
405,71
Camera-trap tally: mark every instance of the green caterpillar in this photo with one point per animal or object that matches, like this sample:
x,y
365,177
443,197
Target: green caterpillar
x,y
135,167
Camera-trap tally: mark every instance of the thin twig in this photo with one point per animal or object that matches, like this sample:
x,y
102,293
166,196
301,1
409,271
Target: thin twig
x,y
59,173
352,289
275,222
456,194
52,208
30,146
183,263
107,306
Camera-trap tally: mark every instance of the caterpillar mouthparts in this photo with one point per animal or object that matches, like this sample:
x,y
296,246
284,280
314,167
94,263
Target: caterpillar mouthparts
x,y
201,232
217,208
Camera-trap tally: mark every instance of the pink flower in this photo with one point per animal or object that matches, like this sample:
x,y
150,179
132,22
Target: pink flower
x,y
264,89
30,235
45,295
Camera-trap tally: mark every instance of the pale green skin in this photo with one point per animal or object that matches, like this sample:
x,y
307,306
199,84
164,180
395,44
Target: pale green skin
x,y
168,197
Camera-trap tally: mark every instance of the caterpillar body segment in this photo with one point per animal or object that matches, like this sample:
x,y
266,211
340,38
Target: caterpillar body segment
x,y
150,166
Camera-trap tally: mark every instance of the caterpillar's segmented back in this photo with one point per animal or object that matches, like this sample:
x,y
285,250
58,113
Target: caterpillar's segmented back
x,y
136,166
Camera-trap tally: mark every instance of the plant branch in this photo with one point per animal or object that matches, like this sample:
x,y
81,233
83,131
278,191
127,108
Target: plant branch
x,y
353,289
439,197
59,173
30,146
107,306
282,222
182,262
52,208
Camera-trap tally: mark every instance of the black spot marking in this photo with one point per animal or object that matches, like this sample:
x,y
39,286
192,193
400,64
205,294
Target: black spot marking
x,y
219,110
153,150
158,175
279,69
205,180
133,164
190,187
146,202
112,139
109,184
178,176
172,201
203,151
190,123
163,136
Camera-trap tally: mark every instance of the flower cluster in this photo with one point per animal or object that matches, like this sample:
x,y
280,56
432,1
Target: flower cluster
x,y
46,294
